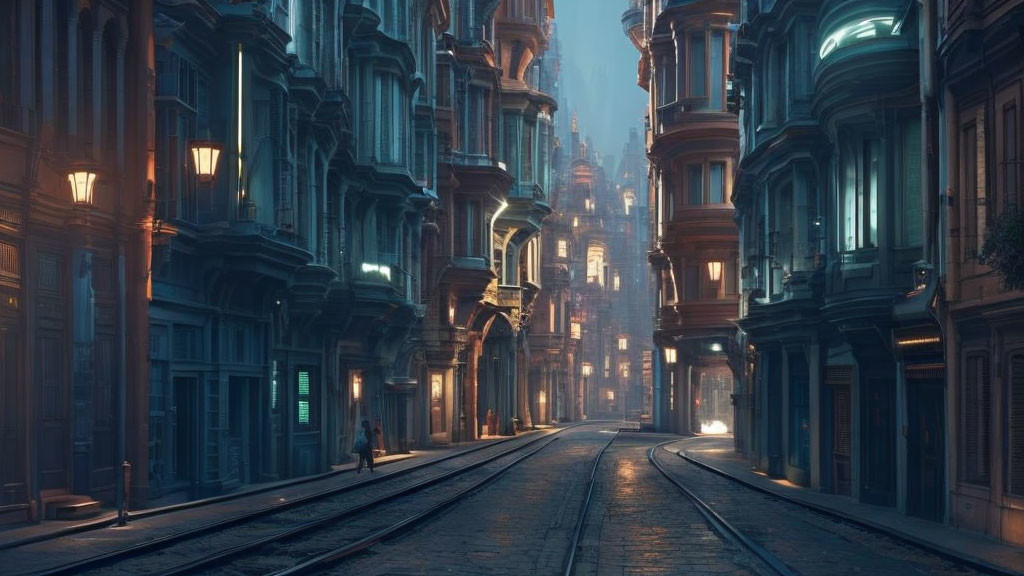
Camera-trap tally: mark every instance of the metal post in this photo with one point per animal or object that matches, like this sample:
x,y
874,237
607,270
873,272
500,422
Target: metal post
x,y
126,481
121,490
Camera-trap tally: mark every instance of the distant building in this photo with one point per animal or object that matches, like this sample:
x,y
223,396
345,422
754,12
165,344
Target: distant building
x,y
495,152
692,144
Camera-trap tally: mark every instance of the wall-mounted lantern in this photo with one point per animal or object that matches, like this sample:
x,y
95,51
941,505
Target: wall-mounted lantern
x,y
670,356
82,184
715,271
357,385
204,159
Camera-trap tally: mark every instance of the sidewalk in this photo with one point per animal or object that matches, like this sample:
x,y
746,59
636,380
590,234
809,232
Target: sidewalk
x,y
151,523
717,452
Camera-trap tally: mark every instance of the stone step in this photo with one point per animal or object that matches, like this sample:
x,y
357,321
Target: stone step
x,y
71,507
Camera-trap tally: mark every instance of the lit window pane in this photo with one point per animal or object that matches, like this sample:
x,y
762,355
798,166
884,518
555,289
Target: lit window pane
x,y
717,183
696,181
698,66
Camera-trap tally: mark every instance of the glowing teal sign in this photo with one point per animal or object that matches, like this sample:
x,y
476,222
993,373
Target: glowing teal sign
x,y
853,33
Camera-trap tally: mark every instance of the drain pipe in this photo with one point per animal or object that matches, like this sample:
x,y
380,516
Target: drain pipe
x,y
929,130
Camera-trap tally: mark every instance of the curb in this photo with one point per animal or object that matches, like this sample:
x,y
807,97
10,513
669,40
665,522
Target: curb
x,y
970,561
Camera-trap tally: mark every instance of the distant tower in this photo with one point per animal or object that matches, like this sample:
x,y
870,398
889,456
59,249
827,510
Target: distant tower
x,y
575,137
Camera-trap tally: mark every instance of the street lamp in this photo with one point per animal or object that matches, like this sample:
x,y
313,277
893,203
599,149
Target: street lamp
x,y
715,271
204,159
587,371
670,356
82,183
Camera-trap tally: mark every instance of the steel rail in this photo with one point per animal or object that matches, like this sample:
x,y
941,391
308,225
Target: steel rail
x,y
375,538
322,521
570,561
967,561
157,543
105,521
720,524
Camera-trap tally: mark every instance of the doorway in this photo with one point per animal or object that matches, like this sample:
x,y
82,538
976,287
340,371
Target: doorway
x,y
926,448
243,429
878,477
185,428
496,380
55,433
838,380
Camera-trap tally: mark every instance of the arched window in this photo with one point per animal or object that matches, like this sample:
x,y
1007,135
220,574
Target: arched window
x,y
111,72
595,265
84,93
8,63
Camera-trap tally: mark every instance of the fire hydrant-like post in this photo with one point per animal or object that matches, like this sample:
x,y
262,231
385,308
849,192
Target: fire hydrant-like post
x,y
122,512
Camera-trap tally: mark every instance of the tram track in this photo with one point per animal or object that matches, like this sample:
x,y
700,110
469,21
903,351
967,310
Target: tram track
x,y
719,523
574,544
803,538
262,528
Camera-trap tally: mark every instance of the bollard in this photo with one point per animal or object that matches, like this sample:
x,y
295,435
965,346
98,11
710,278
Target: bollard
x,y
122,512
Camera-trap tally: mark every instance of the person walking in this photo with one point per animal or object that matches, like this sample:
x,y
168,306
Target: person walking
x,y
364,446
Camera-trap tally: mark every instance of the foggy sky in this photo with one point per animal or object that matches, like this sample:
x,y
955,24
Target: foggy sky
x,y
599,73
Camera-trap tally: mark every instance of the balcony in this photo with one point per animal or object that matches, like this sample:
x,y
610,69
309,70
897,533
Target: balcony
x,y
633,24
17,118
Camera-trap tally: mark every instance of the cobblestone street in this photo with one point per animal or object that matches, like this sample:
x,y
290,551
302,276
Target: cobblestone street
x,y
638,523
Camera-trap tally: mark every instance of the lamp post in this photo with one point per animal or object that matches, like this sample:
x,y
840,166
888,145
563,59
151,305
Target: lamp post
x,y
587,370
81,183
670,361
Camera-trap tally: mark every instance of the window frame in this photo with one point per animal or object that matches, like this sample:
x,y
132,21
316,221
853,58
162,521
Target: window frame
x,y
1009,190
983,411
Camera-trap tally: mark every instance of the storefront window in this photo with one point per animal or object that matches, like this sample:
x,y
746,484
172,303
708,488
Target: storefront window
x,y
437,421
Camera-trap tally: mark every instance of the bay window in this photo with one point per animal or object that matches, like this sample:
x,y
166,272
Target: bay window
x,y
910,213
706,190
698,66
859,195
392,119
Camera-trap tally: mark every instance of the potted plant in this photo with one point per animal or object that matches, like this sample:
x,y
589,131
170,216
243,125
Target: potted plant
x,y
1003,249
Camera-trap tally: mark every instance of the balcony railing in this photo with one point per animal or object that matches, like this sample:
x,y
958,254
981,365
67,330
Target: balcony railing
x,y
17,118
383,269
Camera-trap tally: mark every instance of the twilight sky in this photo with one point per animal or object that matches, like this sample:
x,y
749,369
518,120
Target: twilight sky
x,y
599,72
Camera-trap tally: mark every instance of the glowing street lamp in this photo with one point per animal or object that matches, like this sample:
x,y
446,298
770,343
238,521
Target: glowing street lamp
x,y
357,386
204,159
670,356
715,271
82,184
587,369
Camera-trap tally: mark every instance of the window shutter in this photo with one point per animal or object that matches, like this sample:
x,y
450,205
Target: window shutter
x,y
840,377
976,405
1017,424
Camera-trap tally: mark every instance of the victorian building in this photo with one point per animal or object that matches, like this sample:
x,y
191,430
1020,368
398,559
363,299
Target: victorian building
x,y
975,82
692,144
295,162
76,186
880,351
829,195
494,118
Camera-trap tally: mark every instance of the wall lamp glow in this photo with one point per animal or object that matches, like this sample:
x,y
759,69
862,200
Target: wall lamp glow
x,y
82,184
852,33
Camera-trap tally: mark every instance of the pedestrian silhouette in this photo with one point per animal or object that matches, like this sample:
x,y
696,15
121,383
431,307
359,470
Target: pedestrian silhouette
x,y
364,446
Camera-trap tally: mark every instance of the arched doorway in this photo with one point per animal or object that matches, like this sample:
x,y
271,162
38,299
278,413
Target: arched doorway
x,y
496,380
